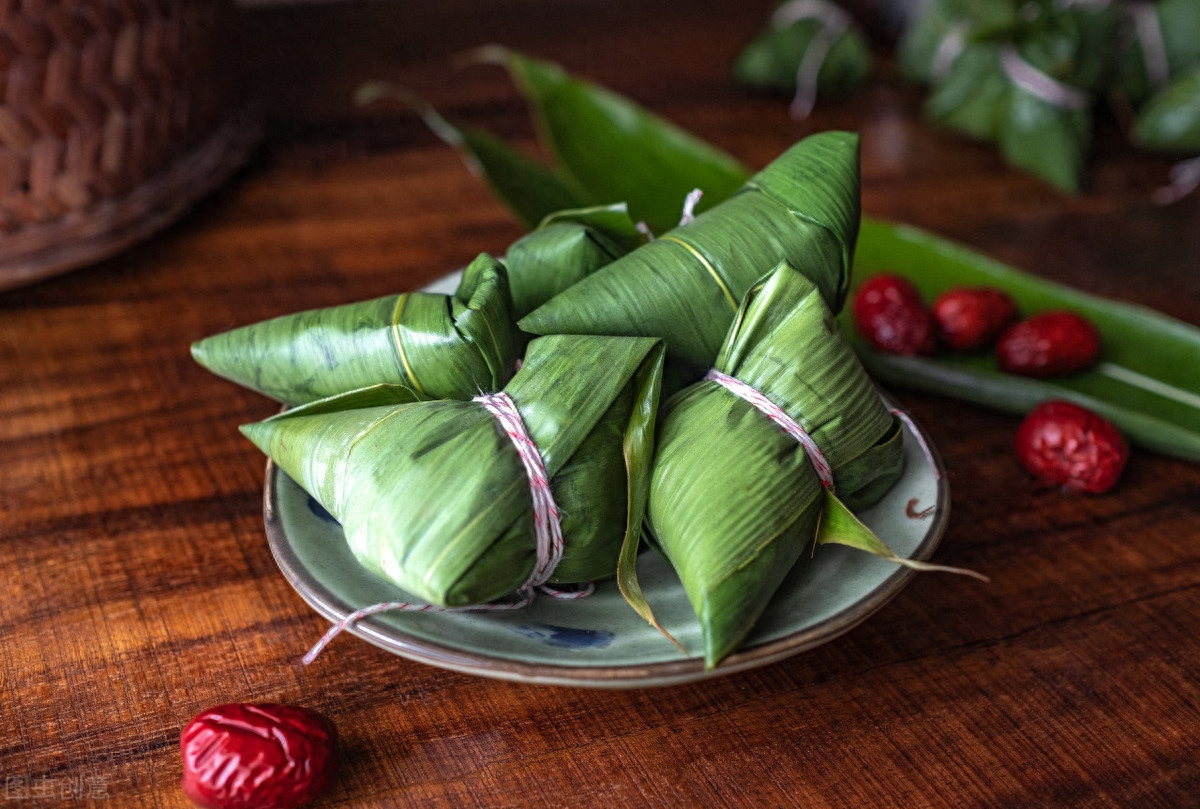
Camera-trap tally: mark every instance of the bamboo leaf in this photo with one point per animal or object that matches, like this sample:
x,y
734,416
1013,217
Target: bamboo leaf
x,y
527,187
839,526
614,149
1146,382
1170,120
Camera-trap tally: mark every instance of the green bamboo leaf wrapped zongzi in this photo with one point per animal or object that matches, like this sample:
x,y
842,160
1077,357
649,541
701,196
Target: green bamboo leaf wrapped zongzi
x,y
1021,74
811,49
441,346
686,285
1170,120
1163,45
734,499
434,496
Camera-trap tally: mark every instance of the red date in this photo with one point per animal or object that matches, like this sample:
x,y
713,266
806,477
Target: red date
x,y
1063,444
244,756
970,318
1048,344
892,318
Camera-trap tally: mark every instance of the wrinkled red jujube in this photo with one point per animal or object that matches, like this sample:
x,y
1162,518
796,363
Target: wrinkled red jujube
x,y
892,318
1048,344
1063,444
246,756
970,318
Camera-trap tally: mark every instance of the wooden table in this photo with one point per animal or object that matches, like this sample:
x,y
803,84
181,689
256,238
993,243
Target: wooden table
x,y
138,587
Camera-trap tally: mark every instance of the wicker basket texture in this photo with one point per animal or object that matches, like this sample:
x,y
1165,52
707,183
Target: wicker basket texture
x,y
115,116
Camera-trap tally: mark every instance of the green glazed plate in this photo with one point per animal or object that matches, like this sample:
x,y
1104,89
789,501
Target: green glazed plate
x,y
599,641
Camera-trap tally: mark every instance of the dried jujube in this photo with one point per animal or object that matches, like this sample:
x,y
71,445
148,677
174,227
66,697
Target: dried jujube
x,y
247,756
970,318
892,318
1063,444
1048,344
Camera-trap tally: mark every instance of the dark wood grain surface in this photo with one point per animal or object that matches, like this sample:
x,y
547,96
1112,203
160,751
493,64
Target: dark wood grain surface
x,y
137,588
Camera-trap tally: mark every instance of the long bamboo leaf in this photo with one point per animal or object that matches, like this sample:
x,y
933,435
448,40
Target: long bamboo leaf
x,y
613,149
1147,381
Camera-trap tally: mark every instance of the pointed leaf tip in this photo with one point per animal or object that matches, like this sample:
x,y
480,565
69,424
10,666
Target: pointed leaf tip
x,y
840,526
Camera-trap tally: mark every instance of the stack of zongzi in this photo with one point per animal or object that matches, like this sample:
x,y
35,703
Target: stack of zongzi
x,y
1024,75
445,472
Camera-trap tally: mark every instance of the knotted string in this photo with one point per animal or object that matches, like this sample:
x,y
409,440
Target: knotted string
x,y
1154,50
547,530
689,206
1038,84
833,23
776,414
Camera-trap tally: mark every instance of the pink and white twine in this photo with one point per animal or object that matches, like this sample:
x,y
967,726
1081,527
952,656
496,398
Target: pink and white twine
x,y
547,529
776,414
1038,84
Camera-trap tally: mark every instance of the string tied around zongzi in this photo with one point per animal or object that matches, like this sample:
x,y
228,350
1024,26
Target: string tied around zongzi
x,y
1038,84
1149,35
833,23
547,528
776,414
547,525
921,442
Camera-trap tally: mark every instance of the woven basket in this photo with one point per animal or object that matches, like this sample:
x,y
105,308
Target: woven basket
x,y
115,116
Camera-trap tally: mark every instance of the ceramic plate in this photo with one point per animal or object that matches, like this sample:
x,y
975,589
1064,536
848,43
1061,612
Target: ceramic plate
x,y
599,641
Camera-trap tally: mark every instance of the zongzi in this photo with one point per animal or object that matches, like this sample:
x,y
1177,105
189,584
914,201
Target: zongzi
x,y
686,285
441,346
433,495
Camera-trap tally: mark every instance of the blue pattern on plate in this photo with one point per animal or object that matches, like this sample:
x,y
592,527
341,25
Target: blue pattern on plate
x,y
566,637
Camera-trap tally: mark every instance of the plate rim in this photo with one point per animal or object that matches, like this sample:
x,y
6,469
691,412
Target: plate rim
x,y
662,673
